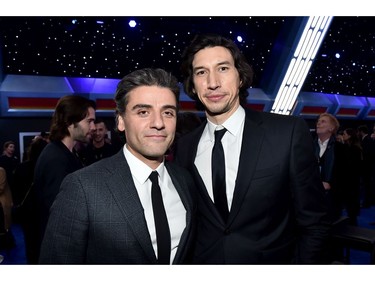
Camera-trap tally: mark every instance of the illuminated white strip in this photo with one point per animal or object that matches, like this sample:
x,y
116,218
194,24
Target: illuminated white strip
x,y
300,64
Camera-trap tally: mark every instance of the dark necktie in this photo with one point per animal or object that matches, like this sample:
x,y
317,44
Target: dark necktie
x,y
163,237
218,175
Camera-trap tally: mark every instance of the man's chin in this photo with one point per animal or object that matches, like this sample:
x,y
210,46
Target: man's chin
x,y
156,155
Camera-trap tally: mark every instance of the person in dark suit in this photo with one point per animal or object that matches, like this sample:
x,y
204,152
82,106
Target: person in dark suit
x,y
23,212
104,212
72,121
329,155
273,193
9,161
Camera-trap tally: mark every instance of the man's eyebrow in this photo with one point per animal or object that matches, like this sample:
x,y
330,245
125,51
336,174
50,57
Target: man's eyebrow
x,y
167,106
225,62
170,107
141,105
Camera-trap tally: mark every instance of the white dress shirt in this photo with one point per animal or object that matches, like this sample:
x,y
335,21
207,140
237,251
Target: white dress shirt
x,y
323,146
231,141
174,208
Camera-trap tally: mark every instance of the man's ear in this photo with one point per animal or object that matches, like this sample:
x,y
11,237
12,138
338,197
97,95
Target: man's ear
x,y
70,129
120,123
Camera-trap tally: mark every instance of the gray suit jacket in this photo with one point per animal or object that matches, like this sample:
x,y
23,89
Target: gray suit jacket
x,y
97,217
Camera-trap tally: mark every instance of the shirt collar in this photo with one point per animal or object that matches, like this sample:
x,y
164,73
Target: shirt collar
x,y
139,169
322,143
232,124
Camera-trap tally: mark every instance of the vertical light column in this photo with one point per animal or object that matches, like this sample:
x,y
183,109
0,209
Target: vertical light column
x,y
299,66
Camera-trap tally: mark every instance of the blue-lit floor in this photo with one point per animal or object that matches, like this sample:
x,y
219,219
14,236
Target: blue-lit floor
x,y
17,254
366,219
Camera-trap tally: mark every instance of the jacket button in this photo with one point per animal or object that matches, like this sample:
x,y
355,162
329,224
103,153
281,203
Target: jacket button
x,y
227,231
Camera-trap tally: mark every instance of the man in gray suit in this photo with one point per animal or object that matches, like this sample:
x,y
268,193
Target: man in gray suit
x,y
103,213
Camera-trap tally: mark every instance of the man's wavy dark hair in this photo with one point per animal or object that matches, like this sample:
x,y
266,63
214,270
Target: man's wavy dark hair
x,y
69,110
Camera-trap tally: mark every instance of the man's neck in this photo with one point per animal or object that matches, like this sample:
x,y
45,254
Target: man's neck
x,y
221,118
69,143
324,137
98,144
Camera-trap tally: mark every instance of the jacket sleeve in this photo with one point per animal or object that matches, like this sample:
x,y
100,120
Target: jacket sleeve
x,y
65,238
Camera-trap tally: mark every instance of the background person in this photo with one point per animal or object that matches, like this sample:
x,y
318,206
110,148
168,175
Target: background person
x,y
99,147
329,153
350,175
72,121
6,204
9,161
24,206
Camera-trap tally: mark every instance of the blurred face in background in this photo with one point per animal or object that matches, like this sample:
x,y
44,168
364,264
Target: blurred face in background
x,y
339,137
345,136
324,126
83,130
9,150
100,132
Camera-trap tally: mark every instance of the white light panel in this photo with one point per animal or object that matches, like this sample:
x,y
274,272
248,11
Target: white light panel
x,y
299,66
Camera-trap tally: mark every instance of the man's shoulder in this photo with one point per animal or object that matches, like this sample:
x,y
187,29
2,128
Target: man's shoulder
x,y
53,146
272,120
111,148
52,150
177,169
194,133
109,162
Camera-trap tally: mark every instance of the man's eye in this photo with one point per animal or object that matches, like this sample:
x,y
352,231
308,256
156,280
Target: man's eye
x,y
169,113
142,112
199,73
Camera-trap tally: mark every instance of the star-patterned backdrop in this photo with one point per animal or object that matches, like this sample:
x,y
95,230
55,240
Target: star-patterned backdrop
x,y
111,47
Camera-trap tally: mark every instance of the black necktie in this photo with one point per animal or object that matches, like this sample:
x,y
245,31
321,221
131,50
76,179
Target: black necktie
x,y
163,237
218,175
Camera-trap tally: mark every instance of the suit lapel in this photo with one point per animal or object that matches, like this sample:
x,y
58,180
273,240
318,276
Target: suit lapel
x,y
183,192
122,187
206,197
251,146
193,143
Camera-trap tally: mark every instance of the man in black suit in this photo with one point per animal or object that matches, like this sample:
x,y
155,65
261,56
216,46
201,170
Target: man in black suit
x,y
104,212
274,196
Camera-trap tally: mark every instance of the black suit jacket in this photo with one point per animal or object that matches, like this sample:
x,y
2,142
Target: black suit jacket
x,y
278,212
98,218
368,146
54,163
